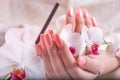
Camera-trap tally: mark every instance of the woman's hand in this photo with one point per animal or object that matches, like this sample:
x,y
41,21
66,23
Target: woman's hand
x,y
59,61
54,66
102,63
115,73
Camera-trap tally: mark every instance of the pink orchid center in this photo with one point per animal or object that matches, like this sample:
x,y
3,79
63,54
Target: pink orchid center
x,y
18,74
72,49
95,48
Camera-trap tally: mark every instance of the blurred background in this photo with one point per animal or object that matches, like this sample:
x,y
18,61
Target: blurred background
x,y
35,12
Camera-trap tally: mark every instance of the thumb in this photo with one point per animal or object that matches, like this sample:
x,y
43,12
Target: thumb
x,y
89,63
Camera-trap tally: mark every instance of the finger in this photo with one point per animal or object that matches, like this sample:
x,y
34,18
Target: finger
x,y
87,18
48,67
50,31
88,63
55,59
79,20
38,49
70,64
64,52
94,23
70,18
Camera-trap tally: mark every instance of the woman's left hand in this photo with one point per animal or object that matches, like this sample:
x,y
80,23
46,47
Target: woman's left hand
x,y
59,61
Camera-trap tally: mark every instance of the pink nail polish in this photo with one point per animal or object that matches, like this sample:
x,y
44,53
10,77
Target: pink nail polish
x,y
42,37
38,48
71,12
48,40
58,41
51,32
85,13
79,12
94,23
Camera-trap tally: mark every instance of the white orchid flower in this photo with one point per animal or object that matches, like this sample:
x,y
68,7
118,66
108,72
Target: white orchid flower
x,y
75,41
91,37
19,50
94,39
114,45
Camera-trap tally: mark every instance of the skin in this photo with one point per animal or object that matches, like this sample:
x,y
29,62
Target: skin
x,y
59,61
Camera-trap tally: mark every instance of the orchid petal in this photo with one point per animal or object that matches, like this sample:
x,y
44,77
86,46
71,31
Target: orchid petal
x,y
9,58
89,47
23,52
95,36
64,34
60,23
31,61
85,34
14,36
77,41
30,33
115,42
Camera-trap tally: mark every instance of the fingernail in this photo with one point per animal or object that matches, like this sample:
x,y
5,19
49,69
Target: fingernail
x,y
94,23
81,61
48,40
51,31
79,12
58,41
42,37
71,12
85,12
38,49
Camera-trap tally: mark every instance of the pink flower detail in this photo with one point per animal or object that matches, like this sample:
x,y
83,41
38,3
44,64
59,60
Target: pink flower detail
x,y
18,74
72,49
95,48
